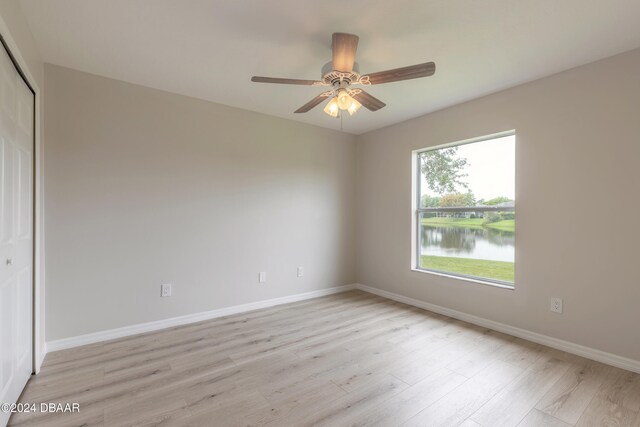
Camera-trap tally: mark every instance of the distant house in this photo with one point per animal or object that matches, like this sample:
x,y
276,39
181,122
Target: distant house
x,y
476,211
509,204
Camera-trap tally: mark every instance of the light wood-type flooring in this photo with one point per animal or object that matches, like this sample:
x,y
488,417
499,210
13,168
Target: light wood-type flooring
x,y
346,359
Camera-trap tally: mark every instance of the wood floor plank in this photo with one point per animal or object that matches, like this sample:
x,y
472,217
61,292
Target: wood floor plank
x,y
412,400
513,403
347,409
602,412
293,404
145,411
50,390
467,398
451,410
536,418
521,353
301,336
481,355
437,351
380,328
226,416
622,388
569,397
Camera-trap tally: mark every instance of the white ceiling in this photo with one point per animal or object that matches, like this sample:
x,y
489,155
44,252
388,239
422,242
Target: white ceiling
x,y
209,49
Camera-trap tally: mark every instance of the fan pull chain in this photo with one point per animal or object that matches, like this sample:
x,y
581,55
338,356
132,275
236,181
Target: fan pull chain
x,y
340,122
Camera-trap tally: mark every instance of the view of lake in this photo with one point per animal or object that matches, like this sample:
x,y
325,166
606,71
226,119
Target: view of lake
x,y
461,242
466,209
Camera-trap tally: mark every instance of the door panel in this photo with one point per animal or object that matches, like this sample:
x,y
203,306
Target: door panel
x,y
23,316
7,195
25,171
6,332
16,232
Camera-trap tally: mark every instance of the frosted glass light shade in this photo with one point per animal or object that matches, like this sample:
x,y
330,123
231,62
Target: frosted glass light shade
x,y
332,107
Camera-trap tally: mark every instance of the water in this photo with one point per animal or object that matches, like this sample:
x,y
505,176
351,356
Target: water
x,y
460,242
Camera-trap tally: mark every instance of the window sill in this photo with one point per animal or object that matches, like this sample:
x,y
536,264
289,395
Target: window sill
x,y
465,278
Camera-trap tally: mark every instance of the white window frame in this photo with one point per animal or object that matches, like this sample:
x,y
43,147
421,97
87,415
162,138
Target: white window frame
x,y
416,211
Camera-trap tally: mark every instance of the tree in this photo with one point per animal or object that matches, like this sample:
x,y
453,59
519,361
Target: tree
x,y
455,200
497,200
443,170
427,201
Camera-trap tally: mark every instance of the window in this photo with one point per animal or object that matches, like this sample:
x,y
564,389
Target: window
x,y
465,209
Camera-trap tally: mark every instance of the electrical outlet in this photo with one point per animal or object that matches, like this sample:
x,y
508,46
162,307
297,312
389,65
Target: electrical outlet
x,y
300,271
262,277
165,290
556,305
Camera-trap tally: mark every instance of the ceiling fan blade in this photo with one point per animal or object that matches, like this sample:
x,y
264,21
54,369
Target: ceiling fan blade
x,y
311,104
404,73
344,48
370,102
260,79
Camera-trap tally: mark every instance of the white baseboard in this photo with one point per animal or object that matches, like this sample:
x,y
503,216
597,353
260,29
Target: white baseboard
x,y
569,347
140,328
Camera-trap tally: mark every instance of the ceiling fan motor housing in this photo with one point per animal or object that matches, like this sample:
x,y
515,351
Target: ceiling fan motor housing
x,y
333,77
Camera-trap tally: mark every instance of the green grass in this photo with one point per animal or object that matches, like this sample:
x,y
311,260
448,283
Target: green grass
x,y
497,270
504,225
477,223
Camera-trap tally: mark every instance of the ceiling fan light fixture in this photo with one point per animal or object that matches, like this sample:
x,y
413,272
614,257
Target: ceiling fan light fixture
x,y
332,108
344,99
354,107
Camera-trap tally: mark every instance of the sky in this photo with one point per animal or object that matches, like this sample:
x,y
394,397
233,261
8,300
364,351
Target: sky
x,y
490,168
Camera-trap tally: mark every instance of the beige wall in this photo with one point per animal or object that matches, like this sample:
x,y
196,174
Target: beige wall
x,y
146,187
17,26
577,191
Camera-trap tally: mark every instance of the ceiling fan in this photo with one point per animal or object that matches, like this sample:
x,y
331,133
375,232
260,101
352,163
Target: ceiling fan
x,y
343,72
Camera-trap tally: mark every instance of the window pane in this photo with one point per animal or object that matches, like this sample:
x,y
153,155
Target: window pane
x,y
469,226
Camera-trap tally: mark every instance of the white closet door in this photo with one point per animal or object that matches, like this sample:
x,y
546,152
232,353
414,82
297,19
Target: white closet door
x,y
16,231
